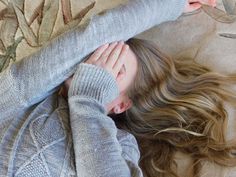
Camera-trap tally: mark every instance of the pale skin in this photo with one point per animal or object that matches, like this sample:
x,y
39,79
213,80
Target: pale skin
x,y
117,58
120,61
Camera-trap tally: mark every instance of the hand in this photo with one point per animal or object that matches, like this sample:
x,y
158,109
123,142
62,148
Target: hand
x,y
196,4
110,57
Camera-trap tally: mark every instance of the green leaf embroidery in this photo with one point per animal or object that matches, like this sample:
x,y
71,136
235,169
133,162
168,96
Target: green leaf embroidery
x,y
66,11
10,54
193,13
4,2
48,22
26,30
9,26
219,15
3,13
2,47
84,11
20,4
38,12
76,20
228,35
230,6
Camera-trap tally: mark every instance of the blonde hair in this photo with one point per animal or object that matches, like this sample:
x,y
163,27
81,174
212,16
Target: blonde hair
x,y
177,107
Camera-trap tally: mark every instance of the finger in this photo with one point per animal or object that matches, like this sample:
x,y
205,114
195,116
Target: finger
x,y
97,54
113,57
120,62
105,54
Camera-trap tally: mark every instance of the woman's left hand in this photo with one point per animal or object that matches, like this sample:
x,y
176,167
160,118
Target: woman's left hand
x,y
111,58
193,5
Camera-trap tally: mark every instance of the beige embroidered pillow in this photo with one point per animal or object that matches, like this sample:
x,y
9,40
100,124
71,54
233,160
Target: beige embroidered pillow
x,y
26,25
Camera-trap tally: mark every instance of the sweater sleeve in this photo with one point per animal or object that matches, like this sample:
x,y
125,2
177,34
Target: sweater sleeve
x,y
33,78
97,149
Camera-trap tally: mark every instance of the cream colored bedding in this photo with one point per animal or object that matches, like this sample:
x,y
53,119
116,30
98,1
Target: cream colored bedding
x,y
197,36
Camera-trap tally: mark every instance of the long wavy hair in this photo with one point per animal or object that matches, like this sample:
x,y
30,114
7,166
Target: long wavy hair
x,y
178,106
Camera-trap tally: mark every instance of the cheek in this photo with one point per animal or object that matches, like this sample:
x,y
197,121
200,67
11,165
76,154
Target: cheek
x,y
131,76
125,83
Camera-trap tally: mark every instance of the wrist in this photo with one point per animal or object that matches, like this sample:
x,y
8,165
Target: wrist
x,y
93,82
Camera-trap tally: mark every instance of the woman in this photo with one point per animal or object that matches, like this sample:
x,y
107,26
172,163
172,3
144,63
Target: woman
x,y
169,105
35,124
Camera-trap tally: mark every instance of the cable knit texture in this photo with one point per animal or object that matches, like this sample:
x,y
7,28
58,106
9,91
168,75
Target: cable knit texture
x,y
41,133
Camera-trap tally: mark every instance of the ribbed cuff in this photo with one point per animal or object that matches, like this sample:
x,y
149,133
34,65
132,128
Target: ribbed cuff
x,y
93,82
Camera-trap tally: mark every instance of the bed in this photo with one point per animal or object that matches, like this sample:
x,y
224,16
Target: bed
x,y
201,35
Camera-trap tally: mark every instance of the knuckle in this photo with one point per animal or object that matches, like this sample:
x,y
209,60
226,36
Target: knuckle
x,y
105,55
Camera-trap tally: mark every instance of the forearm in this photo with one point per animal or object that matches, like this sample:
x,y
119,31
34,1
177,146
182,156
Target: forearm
x,y
97,149
36,76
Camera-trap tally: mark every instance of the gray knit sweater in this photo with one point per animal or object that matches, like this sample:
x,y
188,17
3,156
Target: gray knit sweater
x,y
41,133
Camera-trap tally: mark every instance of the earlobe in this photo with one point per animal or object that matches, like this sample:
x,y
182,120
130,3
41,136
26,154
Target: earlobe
x,y
122,107
117,110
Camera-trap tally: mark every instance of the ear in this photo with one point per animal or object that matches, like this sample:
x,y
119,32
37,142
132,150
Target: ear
x,y
122,106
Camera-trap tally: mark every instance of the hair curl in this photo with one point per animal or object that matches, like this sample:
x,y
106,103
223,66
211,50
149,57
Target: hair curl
x,y
177,107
